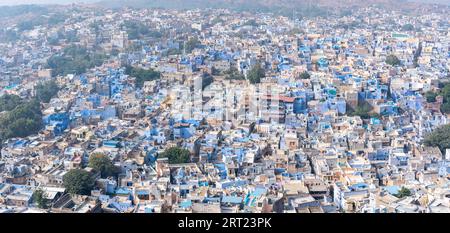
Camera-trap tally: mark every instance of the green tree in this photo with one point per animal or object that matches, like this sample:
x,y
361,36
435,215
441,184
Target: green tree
x,y
408,27
445,107
215,71
23,126
440,137
74,60
393,60
176,155
305,75
25,25
255,74
142,75
24,120
9,35
9,102
53,41
136,29
233,74
363,110
46,91
103,164
96,26
403,192
417,54
431,96
207,79
40,198
78,181
191,44
251,22
295,31
216,20
173,51
445,93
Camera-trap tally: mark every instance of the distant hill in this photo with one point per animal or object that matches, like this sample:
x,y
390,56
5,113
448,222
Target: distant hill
x,y
283,7
444,2
237,4
186,4
23,2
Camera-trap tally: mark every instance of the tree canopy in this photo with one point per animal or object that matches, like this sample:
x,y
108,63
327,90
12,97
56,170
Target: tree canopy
x,y
176,155
445,93
138,30
440,137
9,102
417,54
46,91
255,74
103,164
23,120
393,60
403,192
191,44
207,79
431,96
408,27
74,60
251,22
363,110
305,75
78,181
40,198
233,73
142,75
9,35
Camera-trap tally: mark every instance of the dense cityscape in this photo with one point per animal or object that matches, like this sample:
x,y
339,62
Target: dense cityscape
x,y
160,110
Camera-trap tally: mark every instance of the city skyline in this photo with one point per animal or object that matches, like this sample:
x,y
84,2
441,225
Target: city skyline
x,y
273,107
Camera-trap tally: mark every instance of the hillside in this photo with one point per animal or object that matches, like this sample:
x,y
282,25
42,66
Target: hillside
x,y
303,8
241,4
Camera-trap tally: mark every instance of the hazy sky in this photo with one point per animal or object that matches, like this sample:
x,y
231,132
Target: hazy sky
x,y
17,2
429,1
